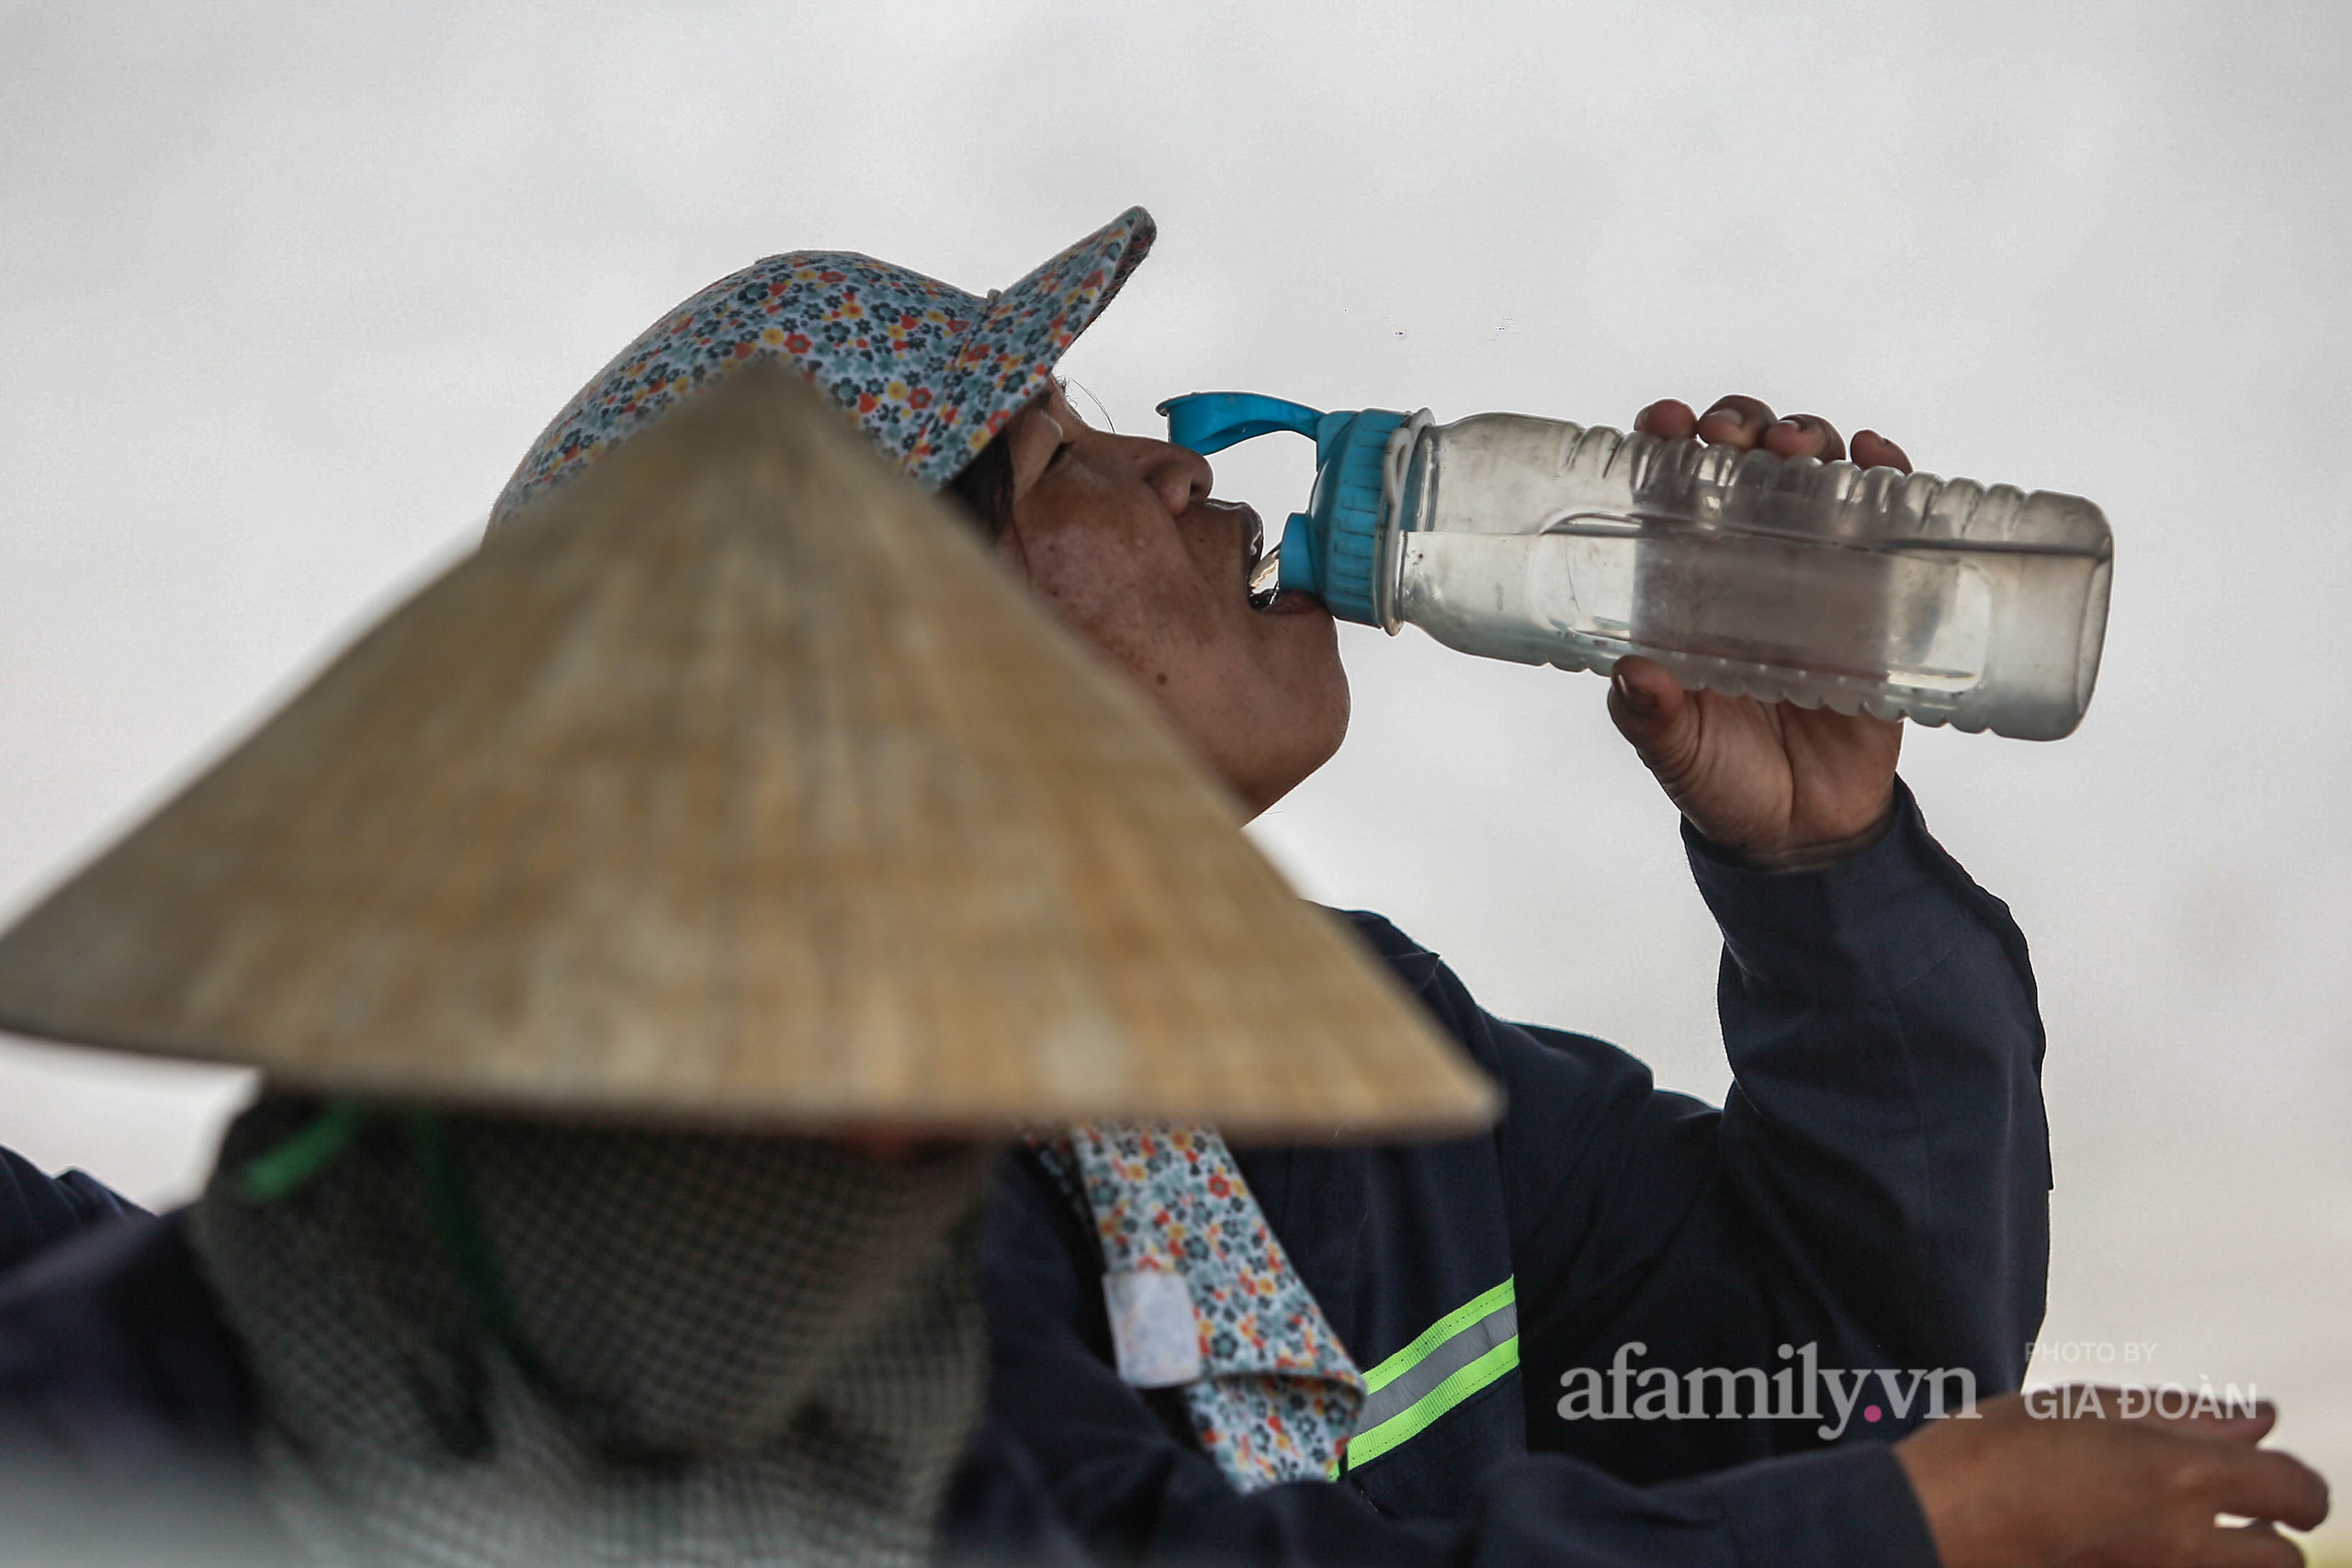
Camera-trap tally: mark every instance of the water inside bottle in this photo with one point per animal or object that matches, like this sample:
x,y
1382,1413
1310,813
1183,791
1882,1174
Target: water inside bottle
x,y
1771,615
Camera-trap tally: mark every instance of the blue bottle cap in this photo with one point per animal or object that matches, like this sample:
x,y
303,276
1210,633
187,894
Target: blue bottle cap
x,y
1331,549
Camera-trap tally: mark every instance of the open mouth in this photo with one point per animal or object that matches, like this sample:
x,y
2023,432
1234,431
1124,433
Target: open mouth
x,y
1265,581
1261,576
1260,568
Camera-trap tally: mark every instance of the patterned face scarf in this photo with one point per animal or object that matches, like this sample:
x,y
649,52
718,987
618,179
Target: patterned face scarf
x,y
631,1346
1202,1297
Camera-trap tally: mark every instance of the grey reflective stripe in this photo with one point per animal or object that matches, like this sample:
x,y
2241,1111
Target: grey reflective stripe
x,y
1500,1325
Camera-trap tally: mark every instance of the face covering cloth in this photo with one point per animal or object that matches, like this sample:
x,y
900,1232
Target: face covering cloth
x,y
481,1341
1202,1296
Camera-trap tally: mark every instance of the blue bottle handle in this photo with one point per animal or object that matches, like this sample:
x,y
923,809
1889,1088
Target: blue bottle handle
x,y
1331,549
1211,422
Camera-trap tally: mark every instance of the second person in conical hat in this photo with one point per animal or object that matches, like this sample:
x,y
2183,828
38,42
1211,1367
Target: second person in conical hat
x,y
632,1038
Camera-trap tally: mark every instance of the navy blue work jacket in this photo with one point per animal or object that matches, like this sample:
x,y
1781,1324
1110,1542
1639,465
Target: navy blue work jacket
x,y
37,1209
1875,1189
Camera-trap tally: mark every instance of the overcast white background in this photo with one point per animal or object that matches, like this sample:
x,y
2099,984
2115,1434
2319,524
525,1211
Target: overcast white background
x,y
286,290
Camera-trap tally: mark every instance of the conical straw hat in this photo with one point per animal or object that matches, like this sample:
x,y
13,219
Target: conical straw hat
x,y
734,783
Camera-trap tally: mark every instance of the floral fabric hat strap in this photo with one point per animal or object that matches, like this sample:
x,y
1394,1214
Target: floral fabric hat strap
x,y
1202,1296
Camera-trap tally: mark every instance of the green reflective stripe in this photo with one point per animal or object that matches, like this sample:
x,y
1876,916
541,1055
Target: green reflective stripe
x,y
1409,1424
1438,1333
1455,1358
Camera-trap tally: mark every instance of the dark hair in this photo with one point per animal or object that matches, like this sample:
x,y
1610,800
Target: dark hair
x,y
985,487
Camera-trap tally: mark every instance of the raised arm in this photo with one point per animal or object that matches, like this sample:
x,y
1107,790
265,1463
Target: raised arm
x,y
1872,1196
1883,1153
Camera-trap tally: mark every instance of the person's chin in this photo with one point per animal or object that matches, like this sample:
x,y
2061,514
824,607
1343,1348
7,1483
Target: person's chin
x,y
1318,702
1295,657
1312,742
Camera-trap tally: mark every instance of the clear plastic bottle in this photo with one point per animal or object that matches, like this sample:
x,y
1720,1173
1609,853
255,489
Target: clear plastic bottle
x,y
1865,590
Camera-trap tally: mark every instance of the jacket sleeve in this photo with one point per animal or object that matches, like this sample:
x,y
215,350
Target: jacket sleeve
x,y
38,1209
1072,1463
1875,1186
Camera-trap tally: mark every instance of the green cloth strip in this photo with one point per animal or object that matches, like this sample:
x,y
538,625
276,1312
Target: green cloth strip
x,y
285,1170
449,1201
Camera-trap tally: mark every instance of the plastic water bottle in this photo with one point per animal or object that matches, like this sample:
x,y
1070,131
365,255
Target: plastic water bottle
x,y
1865,590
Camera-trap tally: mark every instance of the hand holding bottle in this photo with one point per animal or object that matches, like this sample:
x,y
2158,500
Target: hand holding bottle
x,y
1780,786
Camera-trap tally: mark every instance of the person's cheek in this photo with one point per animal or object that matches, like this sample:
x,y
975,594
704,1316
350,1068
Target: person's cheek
x,y
1091,587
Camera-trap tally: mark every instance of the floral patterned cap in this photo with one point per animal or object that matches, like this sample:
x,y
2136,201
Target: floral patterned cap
x,y
929,372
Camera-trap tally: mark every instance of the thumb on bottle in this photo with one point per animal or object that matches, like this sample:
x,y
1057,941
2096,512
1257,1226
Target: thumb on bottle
x,y
1631,697
1642,698
1652,712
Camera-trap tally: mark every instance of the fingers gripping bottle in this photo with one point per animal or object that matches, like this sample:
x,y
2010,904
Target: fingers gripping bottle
x,y
1864,590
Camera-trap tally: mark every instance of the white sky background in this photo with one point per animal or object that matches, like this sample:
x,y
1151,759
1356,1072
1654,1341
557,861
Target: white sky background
x,y
286,290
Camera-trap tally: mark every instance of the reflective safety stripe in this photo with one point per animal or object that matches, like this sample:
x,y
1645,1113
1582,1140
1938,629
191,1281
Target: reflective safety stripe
x,y
1455,1357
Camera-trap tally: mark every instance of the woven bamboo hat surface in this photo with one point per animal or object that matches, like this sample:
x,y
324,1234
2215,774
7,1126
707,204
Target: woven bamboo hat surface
x,y
734,784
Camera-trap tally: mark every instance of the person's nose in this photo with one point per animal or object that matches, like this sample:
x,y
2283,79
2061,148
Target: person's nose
x,y
1181,475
